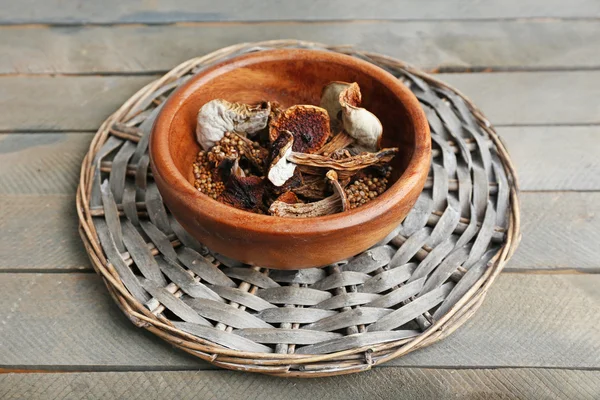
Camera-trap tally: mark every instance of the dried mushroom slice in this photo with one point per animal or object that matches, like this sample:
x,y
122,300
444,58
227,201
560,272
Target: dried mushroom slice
x,y
280,170
345,167
308,124
329,205
243,192
219,116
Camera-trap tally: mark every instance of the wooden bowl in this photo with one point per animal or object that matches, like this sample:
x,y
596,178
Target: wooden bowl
x,y
289,76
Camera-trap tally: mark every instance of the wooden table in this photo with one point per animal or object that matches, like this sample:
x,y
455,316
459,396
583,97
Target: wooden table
x,y
532,66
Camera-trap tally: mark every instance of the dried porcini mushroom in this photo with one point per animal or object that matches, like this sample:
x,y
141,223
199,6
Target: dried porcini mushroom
x,y
280,170
243,192
308,124
219,116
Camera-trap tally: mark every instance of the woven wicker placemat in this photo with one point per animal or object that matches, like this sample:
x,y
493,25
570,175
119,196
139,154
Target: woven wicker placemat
x,y
412,289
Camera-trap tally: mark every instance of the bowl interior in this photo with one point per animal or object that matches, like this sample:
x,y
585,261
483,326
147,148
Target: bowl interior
x,y
288,79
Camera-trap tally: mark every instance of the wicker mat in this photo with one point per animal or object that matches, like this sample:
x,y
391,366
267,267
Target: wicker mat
x,y
412,289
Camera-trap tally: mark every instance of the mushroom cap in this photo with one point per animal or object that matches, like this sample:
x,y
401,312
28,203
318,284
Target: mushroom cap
x,y
308,124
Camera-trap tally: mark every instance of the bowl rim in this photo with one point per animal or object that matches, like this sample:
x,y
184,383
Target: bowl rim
x,y
164,167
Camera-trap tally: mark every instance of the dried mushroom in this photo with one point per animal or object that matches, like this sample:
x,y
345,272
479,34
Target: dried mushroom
x,y
280,170
218,116
329,205
338,189
289,198
363,126
345,167
339,141
313,187
308,124
330,100
263,158
243,192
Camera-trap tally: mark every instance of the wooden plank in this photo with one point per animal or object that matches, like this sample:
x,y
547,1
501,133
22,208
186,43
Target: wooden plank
x,y
381,383
530,98
555,157
520,44
40,233
114,11
63,103
516,98
559,228
44,163
73,319
70,320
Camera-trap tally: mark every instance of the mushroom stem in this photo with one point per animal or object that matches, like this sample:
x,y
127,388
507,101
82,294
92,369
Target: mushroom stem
x,y
338,189
329,205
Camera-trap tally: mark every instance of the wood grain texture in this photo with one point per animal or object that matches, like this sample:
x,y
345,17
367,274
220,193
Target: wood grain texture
x,y
559,228
520,44
516,98
78,326
555,157
380,383
41,163
40,233
530,98
63,103
80,11
70,320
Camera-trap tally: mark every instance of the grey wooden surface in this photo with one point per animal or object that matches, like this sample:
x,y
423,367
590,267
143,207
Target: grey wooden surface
x,y
533,68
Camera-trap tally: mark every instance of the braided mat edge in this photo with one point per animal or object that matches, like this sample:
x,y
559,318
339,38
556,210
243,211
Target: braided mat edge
x,y
412,289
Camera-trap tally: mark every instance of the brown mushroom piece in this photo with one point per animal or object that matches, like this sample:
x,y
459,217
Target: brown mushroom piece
x,y
345,167
329,205
289,198
308,124
219,116
243,192
313,187
339,141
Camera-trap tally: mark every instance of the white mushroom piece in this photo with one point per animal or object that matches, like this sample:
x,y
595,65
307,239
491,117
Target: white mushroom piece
x,y
281,169
219,116
342,99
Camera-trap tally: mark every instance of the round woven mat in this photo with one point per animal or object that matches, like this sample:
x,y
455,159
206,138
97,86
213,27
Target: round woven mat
x,y
412,289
